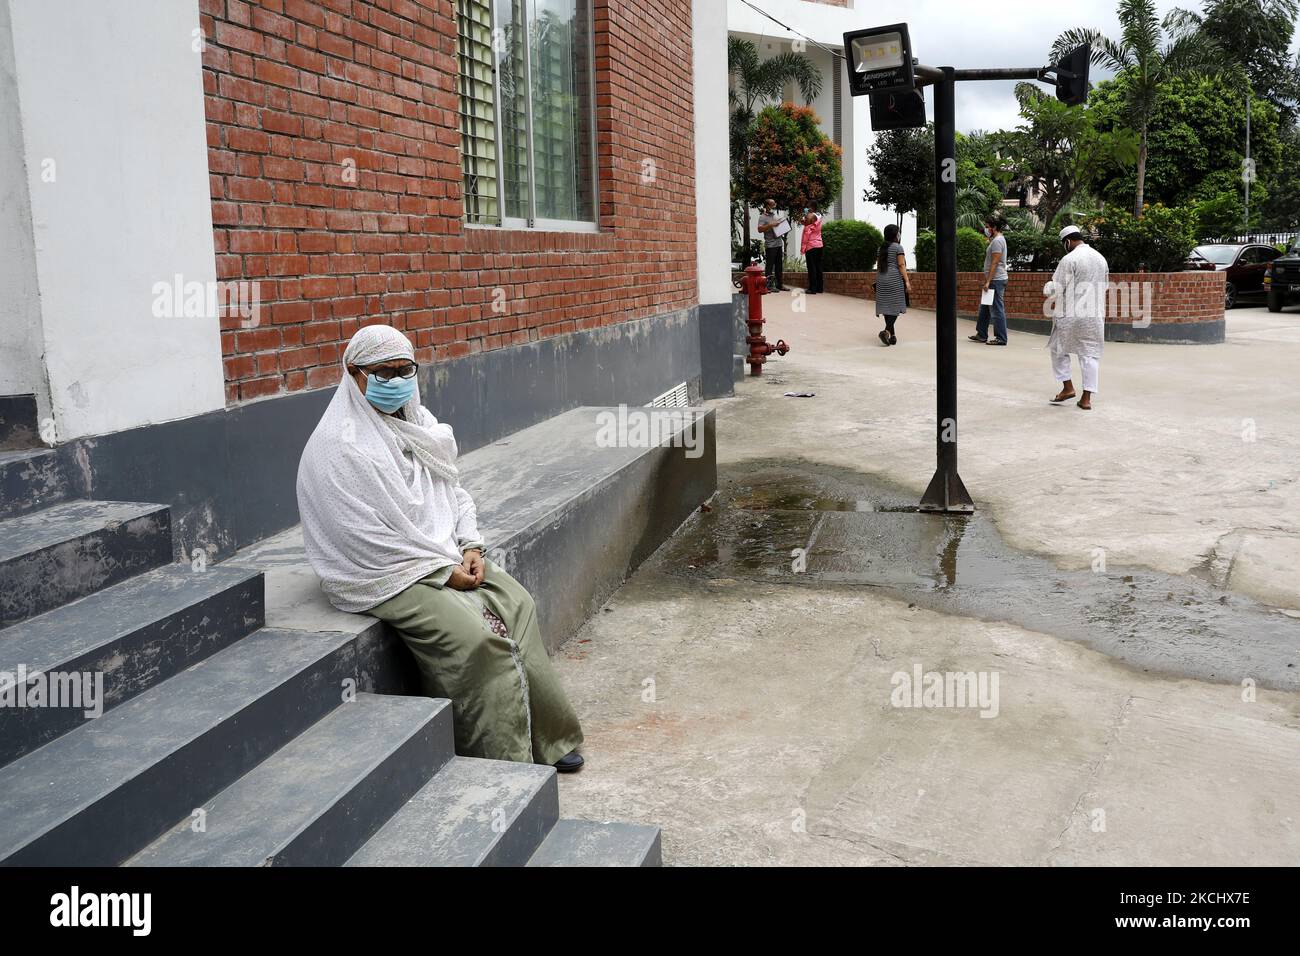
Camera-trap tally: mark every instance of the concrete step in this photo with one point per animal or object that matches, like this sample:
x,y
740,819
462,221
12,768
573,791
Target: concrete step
x,y
472,813
588,843
51,557
31,479
319,797
127,638
97,795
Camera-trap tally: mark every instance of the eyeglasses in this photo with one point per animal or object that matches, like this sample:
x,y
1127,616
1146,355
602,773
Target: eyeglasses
x,y
388,373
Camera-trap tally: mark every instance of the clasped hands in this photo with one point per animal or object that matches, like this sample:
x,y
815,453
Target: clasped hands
x,y
468,575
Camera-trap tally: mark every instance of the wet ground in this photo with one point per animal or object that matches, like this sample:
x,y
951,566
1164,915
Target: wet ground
x,y
804,524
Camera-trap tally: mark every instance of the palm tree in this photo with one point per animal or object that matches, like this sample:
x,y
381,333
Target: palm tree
x,y
1149,58
754,81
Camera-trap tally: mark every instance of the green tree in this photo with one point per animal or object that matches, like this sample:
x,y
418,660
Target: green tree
x,y
1149,59
1059,152
1197,135
1255,35
1281,209
755,81
791,160
902,166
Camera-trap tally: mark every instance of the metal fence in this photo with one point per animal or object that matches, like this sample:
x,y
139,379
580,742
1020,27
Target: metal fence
x,y
1265,238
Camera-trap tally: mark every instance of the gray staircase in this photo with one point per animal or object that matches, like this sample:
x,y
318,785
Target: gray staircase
x,y
201,737
318,798
68,550
31,479
588,843
473,813
135,634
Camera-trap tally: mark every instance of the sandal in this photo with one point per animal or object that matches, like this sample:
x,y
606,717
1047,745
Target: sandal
x,y
1062,397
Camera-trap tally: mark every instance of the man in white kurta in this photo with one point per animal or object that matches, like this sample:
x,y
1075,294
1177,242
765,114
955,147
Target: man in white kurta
x,y
1077,298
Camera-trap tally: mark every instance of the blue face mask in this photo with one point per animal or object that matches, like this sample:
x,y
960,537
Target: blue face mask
x,y
391,395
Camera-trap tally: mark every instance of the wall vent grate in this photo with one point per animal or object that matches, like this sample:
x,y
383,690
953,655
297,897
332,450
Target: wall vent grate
x,y
676,397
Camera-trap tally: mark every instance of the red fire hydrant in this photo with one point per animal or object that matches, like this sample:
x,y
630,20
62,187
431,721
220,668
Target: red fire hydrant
x,y
754,285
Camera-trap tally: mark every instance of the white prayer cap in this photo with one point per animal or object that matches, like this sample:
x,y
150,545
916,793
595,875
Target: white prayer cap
x,y
1069,231
377,343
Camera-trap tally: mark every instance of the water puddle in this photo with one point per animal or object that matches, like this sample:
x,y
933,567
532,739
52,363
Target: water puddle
x,y
812,525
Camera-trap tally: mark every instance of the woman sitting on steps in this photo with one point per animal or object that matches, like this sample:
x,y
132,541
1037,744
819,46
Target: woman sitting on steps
x,y
391,533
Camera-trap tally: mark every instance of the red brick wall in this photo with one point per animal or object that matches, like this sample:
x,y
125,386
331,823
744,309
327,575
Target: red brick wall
x,y
1176,296
295,89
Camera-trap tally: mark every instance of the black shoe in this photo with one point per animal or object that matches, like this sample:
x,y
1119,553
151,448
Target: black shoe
x,y
976,338
570,762
995,342
884,337
893,339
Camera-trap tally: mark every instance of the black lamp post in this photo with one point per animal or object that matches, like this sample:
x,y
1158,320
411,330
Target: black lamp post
x,y
880,65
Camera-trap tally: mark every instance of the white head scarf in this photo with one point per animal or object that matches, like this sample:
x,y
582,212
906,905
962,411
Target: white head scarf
x,y
375,521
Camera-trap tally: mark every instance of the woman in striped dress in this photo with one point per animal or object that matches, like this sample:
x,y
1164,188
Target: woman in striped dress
x,y
892,284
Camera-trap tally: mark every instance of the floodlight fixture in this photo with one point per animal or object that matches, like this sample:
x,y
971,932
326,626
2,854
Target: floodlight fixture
x,y
879,60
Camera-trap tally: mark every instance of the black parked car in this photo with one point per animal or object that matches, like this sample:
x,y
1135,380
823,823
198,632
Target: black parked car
x,y
1245,263
1283,279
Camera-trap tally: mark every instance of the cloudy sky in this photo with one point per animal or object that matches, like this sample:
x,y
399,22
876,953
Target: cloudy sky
x,y
975,33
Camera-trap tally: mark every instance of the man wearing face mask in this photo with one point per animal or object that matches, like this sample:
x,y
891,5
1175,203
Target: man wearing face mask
x,y
1077,297
995,278
773,246
390,532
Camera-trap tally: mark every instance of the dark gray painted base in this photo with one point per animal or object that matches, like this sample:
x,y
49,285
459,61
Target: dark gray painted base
x,y
716,350
19,427
229,475
1170,333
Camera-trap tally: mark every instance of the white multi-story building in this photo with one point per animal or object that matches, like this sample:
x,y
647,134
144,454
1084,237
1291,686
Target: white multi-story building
x,y
816,29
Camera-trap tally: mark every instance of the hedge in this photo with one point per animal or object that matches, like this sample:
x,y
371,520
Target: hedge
x,y
970,251
851,246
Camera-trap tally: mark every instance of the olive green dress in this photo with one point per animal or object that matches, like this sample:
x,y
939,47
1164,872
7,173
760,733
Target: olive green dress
x,y
507,702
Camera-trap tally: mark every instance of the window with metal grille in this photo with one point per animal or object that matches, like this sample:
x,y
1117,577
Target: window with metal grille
x,y
478,127
527,112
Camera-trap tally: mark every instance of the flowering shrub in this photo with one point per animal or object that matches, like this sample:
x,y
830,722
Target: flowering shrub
x,y
792,161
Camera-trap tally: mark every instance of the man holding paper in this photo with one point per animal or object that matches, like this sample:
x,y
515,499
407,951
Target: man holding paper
x,y
992,301
774,228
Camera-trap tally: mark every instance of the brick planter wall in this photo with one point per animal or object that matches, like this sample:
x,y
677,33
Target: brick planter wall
x,y
1185,306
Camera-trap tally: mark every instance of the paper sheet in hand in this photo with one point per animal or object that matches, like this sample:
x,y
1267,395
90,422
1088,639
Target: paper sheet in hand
x,y
987,297
781,228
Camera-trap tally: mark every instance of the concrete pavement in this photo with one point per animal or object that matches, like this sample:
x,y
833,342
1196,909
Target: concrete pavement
x,y
754,714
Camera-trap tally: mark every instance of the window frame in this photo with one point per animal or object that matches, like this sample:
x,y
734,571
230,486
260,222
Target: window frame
x,y
532,221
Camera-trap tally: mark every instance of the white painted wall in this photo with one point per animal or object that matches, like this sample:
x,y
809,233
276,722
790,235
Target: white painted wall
x,y
712,172
115,102
21,371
